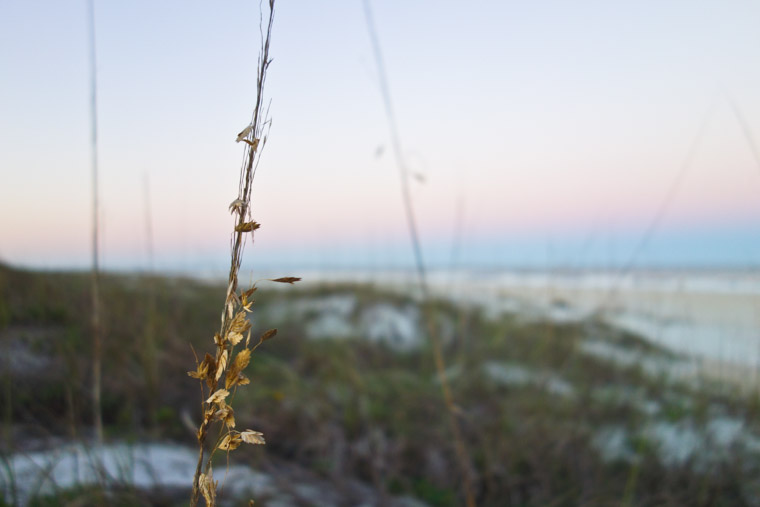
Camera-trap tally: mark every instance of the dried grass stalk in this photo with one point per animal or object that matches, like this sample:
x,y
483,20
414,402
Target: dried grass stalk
x,y
97,345
221,374
462,454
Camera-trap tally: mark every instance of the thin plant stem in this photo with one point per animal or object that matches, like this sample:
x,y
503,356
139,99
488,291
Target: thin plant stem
x,y
149,351
254,138
6,453
440,364
746,129
664,206
95,277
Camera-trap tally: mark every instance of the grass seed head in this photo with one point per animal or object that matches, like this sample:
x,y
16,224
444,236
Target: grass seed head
x,y
268,335
208,487
252,437
231,441
221,365
244,133
238,205
286,279
247,227
218,396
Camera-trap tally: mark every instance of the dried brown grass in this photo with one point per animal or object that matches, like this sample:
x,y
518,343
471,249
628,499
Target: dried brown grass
x,y
452,411
221,374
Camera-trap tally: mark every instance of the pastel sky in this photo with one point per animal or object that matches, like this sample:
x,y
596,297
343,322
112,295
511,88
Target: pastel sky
x,y
547,132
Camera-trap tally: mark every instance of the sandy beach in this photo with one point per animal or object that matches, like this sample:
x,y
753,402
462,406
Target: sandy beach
x,y
711,317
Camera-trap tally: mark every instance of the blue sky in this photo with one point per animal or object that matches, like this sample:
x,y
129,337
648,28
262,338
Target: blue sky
x,y
536,126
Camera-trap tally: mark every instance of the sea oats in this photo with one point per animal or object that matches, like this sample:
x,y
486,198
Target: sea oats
x,y
229,359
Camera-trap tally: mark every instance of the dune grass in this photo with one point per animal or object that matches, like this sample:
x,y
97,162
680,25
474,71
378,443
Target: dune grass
x,y
222,373
546,423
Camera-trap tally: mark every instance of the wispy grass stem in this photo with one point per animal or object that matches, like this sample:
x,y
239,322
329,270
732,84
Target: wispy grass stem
x,y
97,345
440,364
222,373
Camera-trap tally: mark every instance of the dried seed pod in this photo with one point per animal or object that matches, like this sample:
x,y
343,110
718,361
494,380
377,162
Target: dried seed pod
x,y
238,205
221,365
252,437
244,133
286,279
247,227
231,441
253,144
218,396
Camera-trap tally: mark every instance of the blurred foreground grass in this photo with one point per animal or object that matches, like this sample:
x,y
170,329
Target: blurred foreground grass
x,y
559,414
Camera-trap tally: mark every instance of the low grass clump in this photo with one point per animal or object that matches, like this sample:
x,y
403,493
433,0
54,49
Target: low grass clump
x,y
545,422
